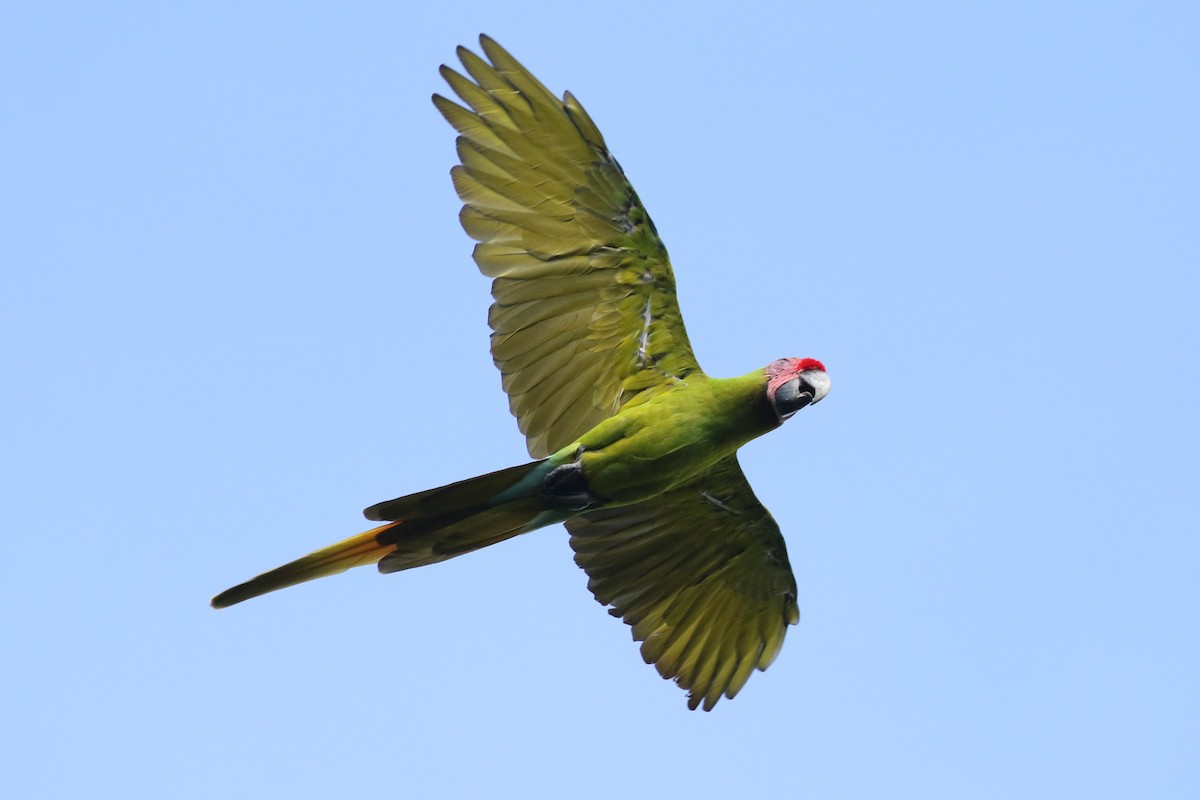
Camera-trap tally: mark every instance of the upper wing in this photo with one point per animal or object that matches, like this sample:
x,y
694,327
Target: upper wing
x,y
701,573
585,314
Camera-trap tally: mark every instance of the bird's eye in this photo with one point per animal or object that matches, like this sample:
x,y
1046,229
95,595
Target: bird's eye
x,y
791,397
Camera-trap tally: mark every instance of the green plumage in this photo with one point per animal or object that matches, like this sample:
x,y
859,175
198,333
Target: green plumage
x,y
636,444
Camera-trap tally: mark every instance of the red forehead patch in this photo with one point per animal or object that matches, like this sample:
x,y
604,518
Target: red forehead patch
x,y
809,363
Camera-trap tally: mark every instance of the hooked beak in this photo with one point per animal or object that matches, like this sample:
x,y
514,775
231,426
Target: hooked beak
x,y
815,383
806,389
793,396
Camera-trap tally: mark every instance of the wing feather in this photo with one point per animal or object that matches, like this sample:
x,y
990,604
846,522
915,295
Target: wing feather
x,y
701,575
577,264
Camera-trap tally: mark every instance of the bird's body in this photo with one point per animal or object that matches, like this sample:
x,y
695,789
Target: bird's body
x,y
674,435
635,445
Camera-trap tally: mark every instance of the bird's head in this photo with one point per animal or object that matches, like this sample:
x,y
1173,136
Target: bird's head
x,y
793,383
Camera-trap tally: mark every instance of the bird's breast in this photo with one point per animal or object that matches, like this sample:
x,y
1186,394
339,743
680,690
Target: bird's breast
x,y
648,449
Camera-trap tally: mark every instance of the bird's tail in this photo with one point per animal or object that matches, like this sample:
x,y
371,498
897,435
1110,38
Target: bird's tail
x,y
425,528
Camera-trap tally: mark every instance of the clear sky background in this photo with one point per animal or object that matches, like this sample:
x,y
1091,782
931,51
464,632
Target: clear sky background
x,y
237,308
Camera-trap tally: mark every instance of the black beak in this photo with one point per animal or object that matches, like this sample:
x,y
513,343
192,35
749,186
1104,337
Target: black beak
x,y
793,396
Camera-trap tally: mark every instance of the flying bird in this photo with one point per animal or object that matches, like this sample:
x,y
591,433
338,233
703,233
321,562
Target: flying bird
x,y
635,447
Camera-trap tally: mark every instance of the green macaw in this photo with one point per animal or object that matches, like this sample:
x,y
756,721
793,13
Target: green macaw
x,y
635,445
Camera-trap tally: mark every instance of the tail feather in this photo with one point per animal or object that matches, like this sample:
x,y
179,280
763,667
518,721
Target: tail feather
x,y
426,527
356,551
416,547
463,497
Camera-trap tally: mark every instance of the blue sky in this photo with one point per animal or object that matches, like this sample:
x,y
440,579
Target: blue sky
x,y
238,308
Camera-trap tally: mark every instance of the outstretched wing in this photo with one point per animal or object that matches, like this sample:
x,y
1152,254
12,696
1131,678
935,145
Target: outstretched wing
x,y
585,315
701,573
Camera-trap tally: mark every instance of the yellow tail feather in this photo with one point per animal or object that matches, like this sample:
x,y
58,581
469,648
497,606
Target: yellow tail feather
x,y
353,552
430,526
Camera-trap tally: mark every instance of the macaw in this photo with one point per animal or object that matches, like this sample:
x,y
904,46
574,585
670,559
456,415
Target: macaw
x,y
634,446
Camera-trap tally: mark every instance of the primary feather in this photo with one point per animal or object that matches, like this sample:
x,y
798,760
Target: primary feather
x,y
580,273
